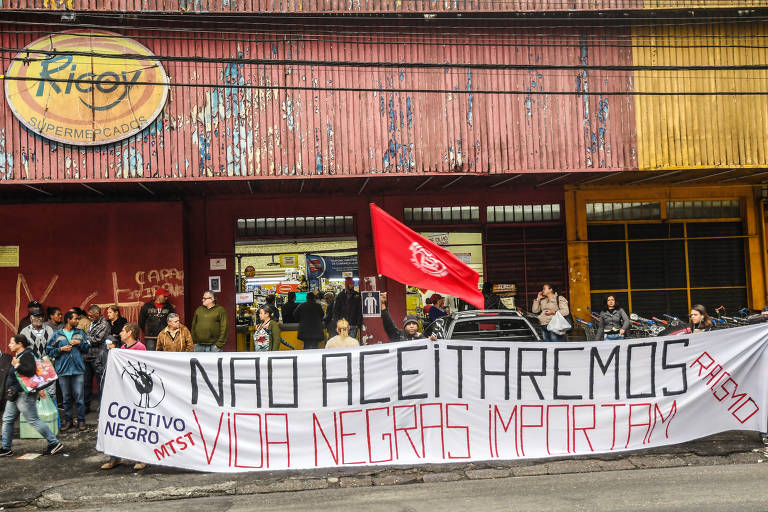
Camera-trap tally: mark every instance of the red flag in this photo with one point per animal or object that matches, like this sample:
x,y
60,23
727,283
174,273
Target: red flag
x,y
409,258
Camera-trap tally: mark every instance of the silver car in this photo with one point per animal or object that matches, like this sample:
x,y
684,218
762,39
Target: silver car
x,y
484,325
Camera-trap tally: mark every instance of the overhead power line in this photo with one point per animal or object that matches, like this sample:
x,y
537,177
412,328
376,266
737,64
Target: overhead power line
x,y
490,40
380,64
458,91
379,29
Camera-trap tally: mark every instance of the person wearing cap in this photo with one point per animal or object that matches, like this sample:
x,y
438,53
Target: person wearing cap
x,y
28,319
153,317
410,325
38,333
348,305
438,308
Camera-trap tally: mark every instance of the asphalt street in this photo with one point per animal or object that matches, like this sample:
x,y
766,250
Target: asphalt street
x,y
739,487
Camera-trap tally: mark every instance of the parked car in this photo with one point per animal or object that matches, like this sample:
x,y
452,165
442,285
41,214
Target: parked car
x,y
485,325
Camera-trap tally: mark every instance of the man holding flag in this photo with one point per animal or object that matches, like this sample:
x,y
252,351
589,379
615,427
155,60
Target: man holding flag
x,y
407,257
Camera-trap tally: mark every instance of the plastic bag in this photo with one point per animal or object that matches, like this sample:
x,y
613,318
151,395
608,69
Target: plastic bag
x,y
558,324
48,414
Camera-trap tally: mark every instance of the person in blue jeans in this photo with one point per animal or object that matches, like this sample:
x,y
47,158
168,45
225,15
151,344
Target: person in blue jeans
x,y
614,321
21,402
67,347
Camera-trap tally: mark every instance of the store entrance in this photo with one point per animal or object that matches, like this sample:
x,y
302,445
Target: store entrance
x,y
287,273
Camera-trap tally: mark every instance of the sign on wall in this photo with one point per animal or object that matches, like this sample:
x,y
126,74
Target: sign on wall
x,y
72,87
430,402
289,260
331,266
9,255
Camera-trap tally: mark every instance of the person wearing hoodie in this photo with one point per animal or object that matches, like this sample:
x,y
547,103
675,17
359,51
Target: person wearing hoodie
x,y
153,317
410,325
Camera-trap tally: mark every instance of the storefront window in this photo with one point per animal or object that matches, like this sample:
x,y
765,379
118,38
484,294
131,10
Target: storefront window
x,y
524,213
665,267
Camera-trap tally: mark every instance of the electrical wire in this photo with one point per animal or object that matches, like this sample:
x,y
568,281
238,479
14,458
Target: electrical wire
x,y
458,91
380,64
591,41
275,27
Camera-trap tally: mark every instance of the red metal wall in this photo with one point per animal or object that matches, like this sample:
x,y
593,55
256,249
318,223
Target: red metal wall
x,y
389,123
82,254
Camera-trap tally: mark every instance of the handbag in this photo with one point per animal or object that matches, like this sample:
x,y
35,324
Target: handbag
x,y
558,324
45,375
569,316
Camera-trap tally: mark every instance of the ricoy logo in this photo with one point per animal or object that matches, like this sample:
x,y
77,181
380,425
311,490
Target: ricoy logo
x,y
86,87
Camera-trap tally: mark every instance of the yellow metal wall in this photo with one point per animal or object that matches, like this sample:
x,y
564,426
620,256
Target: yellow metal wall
x,y
701,131
577,197
704,4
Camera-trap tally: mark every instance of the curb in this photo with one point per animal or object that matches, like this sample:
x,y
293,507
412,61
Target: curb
x,y
136,487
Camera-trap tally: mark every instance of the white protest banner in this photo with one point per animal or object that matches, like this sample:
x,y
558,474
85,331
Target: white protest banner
x,y
430,402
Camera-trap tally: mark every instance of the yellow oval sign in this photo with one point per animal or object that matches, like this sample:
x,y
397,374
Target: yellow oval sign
x,y
73,88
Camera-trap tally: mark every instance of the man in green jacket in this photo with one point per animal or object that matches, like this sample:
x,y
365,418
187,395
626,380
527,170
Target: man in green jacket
x,y
209,325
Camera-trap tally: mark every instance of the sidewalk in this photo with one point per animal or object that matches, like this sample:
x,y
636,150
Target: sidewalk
x,y
73,479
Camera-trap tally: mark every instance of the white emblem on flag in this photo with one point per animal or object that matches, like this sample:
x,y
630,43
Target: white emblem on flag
x,y
426,261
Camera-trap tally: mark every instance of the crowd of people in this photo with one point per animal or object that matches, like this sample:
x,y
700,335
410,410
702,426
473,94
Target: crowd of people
x,y
612,321
77,341
340,321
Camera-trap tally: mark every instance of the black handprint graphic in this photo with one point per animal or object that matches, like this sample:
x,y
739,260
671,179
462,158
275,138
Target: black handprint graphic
x,y
149,387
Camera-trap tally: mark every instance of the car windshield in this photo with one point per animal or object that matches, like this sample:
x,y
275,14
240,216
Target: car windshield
x,y
501,329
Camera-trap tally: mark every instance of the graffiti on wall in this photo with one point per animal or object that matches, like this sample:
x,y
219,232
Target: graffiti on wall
x,y
130,299
147,282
